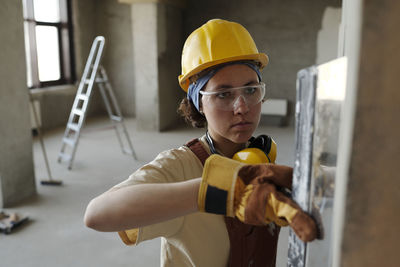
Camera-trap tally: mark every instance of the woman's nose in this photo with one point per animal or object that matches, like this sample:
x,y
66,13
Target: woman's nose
x,y
240,105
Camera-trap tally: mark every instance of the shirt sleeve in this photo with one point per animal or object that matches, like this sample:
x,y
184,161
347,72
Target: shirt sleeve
x,y
170,166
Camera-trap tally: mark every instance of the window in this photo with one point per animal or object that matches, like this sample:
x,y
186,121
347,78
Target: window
x,y
48,42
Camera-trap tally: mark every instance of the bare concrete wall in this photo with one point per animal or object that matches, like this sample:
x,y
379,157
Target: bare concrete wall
x,y
286,30
169,28
144,29
371,199
157,44
113,21
328,35
83,18
17,180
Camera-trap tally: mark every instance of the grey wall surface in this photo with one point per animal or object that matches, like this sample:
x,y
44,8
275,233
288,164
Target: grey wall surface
x,y
157,42
17,179
145,64
113,21
285,30
328,35
371,185
169,28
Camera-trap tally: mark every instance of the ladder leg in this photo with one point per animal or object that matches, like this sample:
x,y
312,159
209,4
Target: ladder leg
x,y
106,90
110,114
118,111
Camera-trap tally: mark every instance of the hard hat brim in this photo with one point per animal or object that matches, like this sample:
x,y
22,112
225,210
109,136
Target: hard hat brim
x,y
184,79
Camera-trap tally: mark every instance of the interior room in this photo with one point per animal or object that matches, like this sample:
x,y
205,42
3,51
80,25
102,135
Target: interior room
x,y
45,50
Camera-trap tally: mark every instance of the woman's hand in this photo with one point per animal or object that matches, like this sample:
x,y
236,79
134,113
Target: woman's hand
x,y
250,192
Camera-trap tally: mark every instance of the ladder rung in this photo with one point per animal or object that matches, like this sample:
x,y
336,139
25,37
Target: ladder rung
x,y
78,111
64,156
116,118
69,141
82,97
87,81
73,126
100,80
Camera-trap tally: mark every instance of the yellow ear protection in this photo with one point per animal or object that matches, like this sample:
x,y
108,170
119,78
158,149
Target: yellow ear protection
x,y
260,150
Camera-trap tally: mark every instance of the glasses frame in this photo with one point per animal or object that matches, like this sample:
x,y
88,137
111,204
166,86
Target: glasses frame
x,y
259,85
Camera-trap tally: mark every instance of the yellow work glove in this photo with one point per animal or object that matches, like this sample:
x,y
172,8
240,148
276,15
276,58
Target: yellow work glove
x,y
250,193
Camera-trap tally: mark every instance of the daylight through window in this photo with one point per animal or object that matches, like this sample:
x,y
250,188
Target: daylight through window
x,y
48,42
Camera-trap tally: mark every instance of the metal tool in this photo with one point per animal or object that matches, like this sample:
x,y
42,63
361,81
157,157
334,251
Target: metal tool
x,y
50,181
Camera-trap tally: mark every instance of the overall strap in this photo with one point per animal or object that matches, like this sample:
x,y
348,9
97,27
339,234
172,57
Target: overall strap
x,y
249,245
198,149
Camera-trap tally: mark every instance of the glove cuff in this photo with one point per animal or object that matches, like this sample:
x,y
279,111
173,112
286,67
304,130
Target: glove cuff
x,y
216,193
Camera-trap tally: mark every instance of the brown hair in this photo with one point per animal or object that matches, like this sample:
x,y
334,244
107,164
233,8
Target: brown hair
x,y
191,115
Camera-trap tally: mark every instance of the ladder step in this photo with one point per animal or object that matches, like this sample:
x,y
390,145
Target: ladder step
x,y
87,81
82,97
116,118
64,156
100,80
69,141
78,112
73,126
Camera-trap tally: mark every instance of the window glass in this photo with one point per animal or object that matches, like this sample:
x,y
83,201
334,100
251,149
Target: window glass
x,y
46,10
48,53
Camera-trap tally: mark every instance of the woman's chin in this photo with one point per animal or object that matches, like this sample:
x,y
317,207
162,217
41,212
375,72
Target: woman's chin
x,y
242,138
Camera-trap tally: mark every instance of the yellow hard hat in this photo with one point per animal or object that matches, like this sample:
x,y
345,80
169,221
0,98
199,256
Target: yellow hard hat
x,y
216,42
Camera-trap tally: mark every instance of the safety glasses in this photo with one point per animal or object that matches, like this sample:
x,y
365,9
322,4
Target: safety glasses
x,y
229,99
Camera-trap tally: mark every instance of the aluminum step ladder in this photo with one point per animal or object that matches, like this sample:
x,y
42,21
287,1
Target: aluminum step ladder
x,y
93,73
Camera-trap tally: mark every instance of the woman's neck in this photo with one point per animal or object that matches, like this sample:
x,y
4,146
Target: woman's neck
x,y
226,147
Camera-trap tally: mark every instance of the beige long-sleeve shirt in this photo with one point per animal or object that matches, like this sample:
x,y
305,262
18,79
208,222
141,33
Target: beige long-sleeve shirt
x,y
198,239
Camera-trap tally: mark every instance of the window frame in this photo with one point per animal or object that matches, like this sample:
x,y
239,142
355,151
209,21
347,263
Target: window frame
x,y
66,52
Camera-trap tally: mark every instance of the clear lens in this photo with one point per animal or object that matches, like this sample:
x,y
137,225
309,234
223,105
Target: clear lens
x,y
226,99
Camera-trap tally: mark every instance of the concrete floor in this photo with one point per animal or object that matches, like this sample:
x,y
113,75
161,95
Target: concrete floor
x,y
55,234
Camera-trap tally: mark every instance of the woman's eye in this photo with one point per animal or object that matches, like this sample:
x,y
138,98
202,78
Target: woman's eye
x,y
223,95
250,90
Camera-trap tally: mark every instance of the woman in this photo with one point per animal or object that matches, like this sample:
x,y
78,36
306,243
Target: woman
x,y
221,74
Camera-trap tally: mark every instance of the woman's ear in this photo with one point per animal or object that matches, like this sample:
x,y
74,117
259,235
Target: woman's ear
x,y
201,109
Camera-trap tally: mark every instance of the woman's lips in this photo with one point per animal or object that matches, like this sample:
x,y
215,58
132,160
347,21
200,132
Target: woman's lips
x,y
242,125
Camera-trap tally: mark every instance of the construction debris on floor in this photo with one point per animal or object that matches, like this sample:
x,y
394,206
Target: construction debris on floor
x,y
8,222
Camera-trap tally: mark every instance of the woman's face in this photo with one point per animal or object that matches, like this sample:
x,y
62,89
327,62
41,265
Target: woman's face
x,y
237,125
